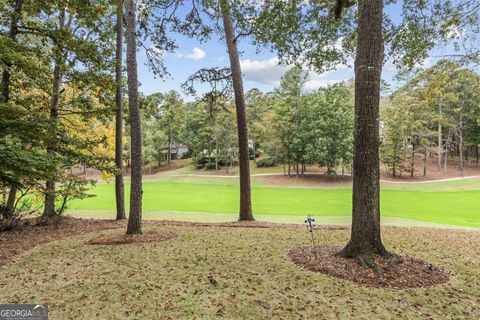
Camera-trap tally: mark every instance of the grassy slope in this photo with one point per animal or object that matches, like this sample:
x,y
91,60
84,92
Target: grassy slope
x,y
221,196
254,279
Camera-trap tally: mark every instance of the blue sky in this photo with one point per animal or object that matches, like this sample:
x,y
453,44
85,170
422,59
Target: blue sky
x,y
260,69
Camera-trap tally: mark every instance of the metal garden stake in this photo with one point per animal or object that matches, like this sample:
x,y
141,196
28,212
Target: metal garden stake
x,y
310,226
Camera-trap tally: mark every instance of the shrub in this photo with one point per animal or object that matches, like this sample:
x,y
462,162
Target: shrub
x,y
10,219
210,166
251,154
267,162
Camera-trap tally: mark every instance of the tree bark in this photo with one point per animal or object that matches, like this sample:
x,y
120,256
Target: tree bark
x,y
460,147
49,206
119,185
169,150
476,155
244,163
254,152
412,163
365,233
135,216
297,162
445,157
216,154
425,163
12,196
440,147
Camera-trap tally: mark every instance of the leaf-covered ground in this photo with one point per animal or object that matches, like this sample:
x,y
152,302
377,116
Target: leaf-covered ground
x,y
236,273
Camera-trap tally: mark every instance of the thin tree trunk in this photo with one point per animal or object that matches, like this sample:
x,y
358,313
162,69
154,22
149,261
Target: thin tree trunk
x,y
477,153
425,163
119,185
169,150
49,206
296,160
412,163
365,234
245,190
12,195
254,152
460,147
216,154
135,216
440,147
445,157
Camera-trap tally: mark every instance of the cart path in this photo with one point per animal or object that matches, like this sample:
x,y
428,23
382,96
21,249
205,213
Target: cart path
x,y
317,173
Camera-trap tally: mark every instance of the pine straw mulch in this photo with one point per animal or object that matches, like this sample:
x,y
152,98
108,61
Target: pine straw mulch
x,y
408,272
122,238
15,243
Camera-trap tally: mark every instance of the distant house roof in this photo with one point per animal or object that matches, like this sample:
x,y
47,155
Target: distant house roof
x,y
174,144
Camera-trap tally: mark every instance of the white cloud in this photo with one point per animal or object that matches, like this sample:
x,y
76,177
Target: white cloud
x,y
196,54
425,63
389,66
266,72
269,72
319,81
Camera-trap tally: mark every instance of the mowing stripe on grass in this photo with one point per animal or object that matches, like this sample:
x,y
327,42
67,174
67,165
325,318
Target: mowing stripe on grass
x,y
453,208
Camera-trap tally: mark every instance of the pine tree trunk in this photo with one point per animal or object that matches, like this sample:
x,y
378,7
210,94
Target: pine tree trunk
x,y
135,216
119,185
365,233
245,190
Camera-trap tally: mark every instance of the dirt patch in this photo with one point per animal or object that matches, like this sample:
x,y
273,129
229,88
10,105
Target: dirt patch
x,y
407,273
113,239
15,243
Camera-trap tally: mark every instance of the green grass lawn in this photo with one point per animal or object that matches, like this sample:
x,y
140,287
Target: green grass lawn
x,y
253,278
456,208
